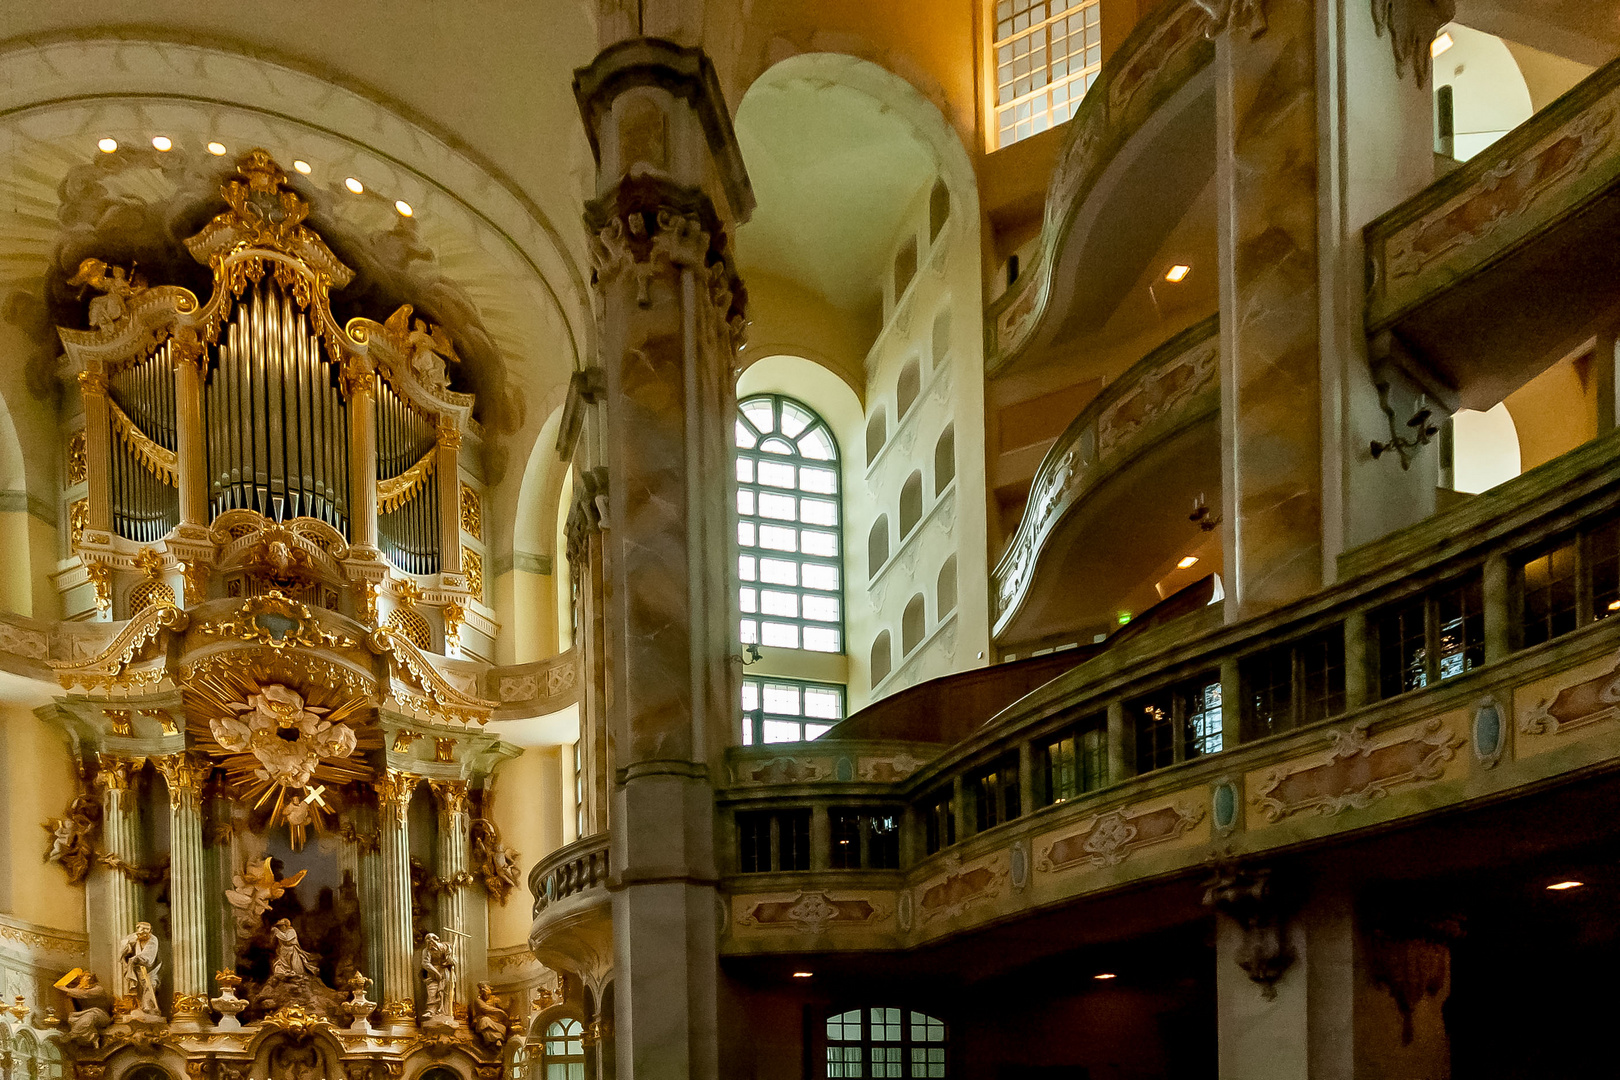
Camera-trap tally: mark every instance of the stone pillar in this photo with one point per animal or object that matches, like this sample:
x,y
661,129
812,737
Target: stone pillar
x,y
120,836
448,466
1271,410
670,182
453,869
1496,588
360,383
188,889
1121,744
97,450
370,880
398,978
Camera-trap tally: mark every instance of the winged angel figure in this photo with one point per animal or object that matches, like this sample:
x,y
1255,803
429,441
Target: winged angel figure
x,y
257,729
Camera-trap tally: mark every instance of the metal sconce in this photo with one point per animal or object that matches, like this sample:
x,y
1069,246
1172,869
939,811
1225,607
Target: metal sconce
x,y
1207,520
753,656
1422,429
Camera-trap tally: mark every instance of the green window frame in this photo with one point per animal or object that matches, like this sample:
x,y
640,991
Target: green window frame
x,y
788,710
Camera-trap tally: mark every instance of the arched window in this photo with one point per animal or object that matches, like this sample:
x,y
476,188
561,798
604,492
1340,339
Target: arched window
x,y
945,589
885,1042
877,433
564,1054
882,658
877,545
942,335
907,387
939,209
945,459
910,504
912,624
788,527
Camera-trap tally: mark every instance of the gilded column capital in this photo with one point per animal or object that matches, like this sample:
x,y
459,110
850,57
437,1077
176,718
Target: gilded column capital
x,y
93,382
184,775
394,791
116,773
451,794
186,347
358,377
449,433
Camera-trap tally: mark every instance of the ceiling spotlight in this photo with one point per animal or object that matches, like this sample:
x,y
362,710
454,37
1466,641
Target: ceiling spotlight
x,y
1562,885
1441,44
803,974
1177,272
217,149
403,207
1187,561
301,166
354,185
1614,605
162,142
1105,975
108,145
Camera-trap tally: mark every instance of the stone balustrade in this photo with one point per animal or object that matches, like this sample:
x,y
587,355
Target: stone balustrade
x,y
1446,676
569,870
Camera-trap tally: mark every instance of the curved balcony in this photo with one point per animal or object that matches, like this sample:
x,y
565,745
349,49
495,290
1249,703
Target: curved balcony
x,y
573,920
1157,420
1512,701
1136,154
1528,232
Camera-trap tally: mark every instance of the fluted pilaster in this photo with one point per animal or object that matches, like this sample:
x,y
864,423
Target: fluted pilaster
x,y
121,839
398,950
453,858
188,910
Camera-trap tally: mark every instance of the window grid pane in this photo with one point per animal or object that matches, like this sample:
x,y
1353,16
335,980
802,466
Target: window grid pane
x,y
1046,56
789,522
788,710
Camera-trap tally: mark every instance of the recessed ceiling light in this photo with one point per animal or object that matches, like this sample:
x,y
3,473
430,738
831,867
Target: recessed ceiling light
x,y
803,974
1177,272
162,142
216,148
1614,605
354,185
1105,975
1562,885
302,166
403,207
1186,561
1441,43
108,145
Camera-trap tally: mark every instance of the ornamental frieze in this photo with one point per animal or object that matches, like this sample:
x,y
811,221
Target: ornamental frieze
x,y
813,912
1108,839
1359,769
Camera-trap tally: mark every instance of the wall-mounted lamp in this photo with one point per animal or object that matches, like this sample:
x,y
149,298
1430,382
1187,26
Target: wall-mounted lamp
x,y
1422,429
753,656
1201,513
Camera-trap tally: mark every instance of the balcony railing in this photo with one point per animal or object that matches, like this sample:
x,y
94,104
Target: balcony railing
x,y
1175,385
1160,56
569,870
1465,659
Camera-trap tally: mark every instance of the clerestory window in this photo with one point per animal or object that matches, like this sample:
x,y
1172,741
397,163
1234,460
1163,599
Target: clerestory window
x,y
1047,55
885,1042
789,527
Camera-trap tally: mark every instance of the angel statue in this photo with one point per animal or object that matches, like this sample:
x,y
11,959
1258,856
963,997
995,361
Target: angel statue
x,y
138,970
255,887
114,283
495,863
426,346
71,836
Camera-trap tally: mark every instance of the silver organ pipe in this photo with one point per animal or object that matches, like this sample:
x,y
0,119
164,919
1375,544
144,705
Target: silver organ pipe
x,y
145,505
408,534
278,430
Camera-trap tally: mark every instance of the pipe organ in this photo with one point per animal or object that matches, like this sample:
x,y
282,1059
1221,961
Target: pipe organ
x,y
247,442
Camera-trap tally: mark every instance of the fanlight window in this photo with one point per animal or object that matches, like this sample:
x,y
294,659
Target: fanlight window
x,y
565,1051
789,527
883,1042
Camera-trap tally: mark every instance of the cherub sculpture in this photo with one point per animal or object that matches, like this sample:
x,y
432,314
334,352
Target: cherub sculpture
x,y
426,348
72,837
495,863
115,284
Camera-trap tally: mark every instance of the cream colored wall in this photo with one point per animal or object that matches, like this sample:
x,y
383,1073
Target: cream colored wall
x,y
39,783
1555,412
528,811
788,319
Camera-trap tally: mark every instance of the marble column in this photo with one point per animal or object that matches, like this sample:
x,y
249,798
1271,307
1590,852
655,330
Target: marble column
x,y
454,825
1271,402
670,183
370,881
121,839
188,889
398,977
